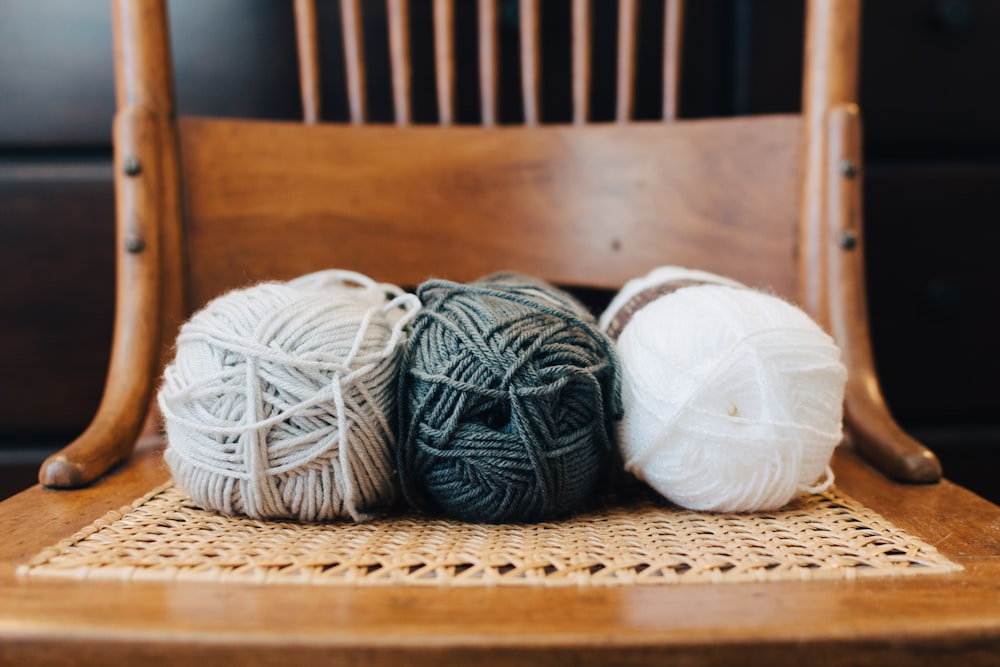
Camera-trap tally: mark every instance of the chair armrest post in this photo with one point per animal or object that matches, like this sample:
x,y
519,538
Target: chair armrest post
x,y
150,290
831,79
873,430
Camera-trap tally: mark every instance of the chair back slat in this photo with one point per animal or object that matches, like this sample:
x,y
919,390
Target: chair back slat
x,y
581,61
627,16
489,58
584,206
354,59
399,58
530,61
308,50
673,40
444,59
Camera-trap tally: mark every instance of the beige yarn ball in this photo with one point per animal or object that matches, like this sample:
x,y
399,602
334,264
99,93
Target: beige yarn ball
x,y
280,402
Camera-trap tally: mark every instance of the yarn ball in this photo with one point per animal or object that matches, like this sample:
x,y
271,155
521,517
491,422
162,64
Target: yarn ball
x,y
733,397
281,399
510,395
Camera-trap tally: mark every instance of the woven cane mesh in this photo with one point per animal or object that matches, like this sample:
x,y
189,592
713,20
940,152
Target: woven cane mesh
x,y
164,536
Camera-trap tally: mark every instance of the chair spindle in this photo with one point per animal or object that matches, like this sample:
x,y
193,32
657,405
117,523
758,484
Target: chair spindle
x,y
444,59
399,57
308,50
354,59
530,61
627,14
581,61
489,52
673,39
489,59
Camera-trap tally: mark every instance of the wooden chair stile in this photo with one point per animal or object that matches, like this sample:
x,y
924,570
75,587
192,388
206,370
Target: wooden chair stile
x,y
205,205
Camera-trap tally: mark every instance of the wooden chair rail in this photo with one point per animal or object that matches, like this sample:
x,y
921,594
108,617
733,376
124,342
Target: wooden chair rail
x,y
558,203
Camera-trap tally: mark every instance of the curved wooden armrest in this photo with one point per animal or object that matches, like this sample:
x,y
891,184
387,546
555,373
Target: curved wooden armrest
x,y
135,350
108,440
871,426
875,434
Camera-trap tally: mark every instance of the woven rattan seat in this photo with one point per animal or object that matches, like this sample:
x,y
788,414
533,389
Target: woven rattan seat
x,y
164,536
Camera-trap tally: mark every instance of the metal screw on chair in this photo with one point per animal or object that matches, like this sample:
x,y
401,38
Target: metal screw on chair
x,y
131,166
848,239
134,244
848,168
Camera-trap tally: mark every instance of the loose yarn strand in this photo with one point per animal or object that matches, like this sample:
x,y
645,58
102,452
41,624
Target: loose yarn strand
x,y
821,485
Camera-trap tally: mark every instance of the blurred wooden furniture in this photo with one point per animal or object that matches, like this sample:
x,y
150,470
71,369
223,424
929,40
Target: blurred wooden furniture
x,y
204,205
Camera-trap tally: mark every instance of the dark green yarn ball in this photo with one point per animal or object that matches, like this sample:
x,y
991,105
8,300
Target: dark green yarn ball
x,y
509,394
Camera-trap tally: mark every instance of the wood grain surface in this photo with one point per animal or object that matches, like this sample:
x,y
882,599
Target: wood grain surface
x,y
586,206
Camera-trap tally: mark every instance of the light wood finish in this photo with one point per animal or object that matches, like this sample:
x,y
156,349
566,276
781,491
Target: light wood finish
x,y
673,43
308,48
627,16
354,58
489,63
530,61
581,61
444,59
935,620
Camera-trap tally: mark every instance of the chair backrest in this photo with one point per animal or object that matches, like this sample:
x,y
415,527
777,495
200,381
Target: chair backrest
x,y
205,205
579,204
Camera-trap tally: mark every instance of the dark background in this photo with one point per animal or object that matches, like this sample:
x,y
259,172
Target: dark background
x,y
928,95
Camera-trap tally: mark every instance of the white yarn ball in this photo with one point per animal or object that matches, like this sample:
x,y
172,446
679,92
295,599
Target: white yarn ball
x,y
281,400
733,397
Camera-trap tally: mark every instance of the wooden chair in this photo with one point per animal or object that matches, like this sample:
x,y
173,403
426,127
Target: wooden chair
x,y
205,205
772,201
